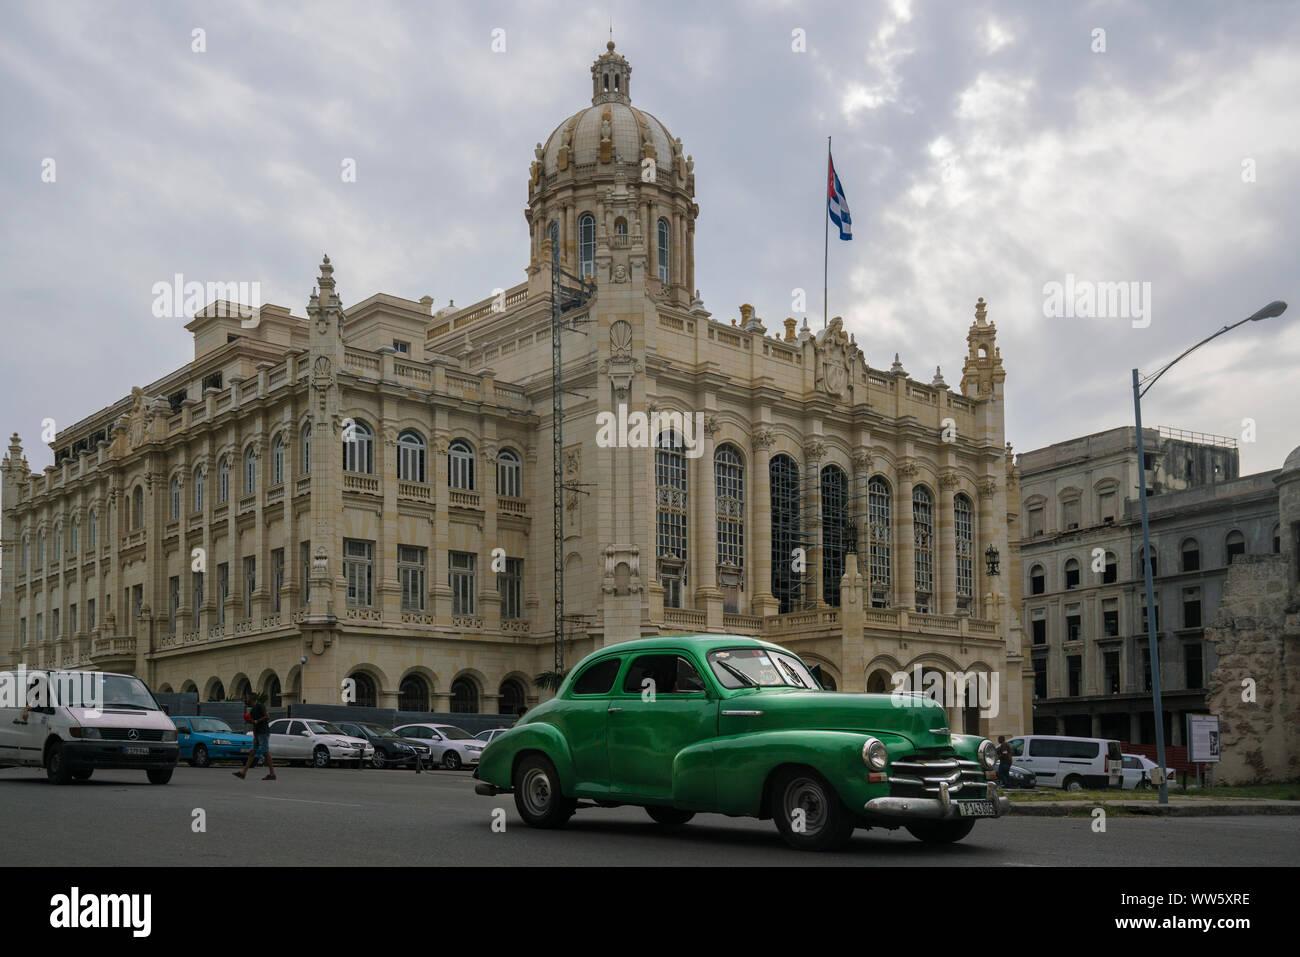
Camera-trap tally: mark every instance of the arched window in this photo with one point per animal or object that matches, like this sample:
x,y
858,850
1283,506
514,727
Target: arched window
x,y
460,465
218,692
413,694
198,489
92,533
359,448
510,474
1071,573
40,549
464,697
277,460
1110,574
964,521
620,227
553,233
1234,545
586,245
273,692
306,449
670,499
74,544
223,481
137,500
174,498
1277,539
365,697
25,563
250,471
665,249
511,698
729,489
880,542
58,542
835,531
923,536
1191,554
410,457
787,585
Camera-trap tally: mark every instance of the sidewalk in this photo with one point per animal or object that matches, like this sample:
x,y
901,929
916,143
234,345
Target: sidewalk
x,y
1178,806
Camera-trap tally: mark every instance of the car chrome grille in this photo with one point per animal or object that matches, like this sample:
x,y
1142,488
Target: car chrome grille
x,y
124,734
919,776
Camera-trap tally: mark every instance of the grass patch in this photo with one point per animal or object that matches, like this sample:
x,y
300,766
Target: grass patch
x,y
1285,791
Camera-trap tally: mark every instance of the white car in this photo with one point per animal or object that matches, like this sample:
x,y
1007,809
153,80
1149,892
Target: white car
x,y
321,743
490,735
1137,772
449,746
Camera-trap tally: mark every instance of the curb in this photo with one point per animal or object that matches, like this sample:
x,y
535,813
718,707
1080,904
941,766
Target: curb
x,y
1152,809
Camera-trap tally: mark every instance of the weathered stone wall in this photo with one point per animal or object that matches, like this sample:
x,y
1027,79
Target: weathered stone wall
x,y
1260,731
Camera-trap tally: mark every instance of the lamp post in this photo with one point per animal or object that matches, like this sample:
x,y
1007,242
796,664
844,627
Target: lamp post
x,y
1140,388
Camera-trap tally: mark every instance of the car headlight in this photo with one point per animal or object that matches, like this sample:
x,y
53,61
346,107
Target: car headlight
x,y
220,741
169,735
874,755
472,747
988,754
85,732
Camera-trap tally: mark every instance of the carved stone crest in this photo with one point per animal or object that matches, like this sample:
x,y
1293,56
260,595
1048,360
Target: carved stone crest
x,y
834,360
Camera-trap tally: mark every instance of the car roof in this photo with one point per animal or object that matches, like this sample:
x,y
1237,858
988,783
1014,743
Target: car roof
x,y
701,643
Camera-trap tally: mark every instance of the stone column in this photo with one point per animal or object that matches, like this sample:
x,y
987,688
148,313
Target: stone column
x,y
945,586
905,540
853,657
489,597
813,451
986,535
439,589
388,592
708,597
759,525
1134,727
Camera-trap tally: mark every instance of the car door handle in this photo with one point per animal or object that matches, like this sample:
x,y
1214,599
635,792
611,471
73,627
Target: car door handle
x,y
612,710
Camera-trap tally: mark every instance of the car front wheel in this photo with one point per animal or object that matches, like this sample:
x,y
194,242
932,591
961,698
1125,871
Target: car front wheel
x,y
201,759
451,760
321,757
940,832
538,797
669,816
808,813
56,765
377,759
159,775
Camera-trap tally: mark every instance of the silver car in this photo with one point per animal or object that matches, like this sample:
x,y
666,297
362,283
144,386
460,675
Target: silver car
x,y
449,746
316,741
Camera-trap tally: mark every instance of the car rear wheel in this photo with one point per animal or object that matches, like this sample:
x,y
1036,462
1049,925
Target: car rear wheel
x,y
201,759
940,832
538,797
808,813
83,775
451,760
159,775
669,816
321,757
56,765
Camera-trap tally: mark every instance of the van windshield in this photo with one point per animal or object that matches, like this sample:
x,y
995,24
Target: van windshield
x,y
89,689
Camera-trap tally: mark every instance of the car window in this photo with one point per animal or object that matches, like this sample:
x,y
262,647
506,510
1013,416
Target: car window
x,y
662,674
296,727
1017,746
417,731
754,667
598,677
180,724
279,727
1133,764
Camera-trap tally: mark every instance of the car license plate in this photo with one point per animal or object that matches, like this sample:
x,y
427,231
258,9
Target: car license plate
x,y
976,809
135,750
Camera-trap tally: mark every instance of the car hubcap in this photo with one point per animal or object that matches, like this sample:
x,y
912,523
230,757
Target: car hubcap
x,y
537,791
322,759
807,795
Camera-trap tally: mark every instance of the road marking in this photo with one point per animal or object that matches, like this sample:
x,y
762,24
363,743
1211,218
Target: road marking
x,y
262,797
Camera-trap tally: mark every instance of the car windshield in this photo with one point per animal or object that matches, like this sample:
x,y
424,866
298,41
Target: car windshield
x,y
759,667
210,725
456,734
484,735
379,732
323,727
88,689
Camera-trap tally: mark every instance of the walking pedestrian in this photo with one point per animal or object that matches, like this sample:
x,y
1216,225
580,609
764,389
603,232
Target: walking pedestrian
x,y
1004,762
261,722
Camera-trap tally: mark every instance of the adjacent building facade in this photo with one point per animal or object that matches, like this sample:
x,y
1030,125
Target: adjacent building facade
x,y
367,492
1084,606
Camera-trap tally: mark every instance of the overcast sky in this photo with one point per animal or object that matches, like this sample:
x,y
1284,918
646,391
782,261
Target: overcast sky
x,y
986,149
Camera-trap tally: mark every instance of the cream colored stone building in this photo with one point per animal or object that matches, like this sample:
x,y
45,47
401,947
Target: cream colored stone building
x,y
369,489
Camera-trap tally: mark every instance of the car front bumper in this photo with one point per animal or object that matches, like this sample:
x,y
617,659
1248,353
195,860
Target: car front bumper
x,y
81,755
942,808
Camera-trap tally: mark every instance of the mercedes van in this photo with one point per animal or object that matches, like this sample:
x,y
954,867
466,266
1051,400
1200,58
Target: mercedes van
x,y
1070,763
73,722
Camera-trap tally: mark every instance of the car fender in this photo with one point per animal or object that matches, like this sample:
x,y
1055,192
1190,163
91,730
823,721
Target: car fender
x,y
496,763
744,763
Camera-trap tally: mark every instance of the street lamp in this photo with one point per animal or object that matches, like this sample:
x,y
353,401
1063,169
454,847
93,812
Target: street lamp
x,y
1140,388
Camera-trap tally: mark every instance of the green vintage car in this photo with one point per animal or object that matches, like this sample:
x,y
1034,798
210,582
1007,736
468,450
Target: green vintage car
x,y
738,726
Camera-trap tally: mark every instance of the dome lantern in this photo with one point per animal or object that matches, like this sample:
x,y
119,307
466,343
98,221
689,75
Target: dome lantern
x,y
611,76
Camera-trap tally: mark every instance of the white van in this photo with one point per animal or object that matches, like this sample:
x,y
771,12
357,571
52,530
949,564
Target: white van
x,y
1069,763
82,720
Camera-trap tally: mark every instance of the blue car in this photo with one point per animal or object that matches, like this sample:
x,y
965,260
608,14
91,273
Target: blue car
x,y
203,740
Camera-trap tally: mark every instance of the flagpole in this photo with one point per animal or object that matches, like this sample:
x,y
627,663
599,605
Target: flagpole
x,y
826,235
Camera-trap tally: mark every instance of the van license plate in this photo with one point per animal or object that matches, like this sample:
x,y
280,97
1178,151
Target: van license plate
x,y
976,809
135,750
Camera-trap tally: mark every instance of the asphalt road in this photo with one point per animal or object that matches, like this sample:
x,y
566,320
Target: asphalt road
x,y
342,816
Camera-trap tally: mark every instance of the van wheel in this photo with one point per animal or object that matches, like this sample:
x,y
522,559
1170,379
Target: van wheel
x,y
56,765
538,797
809,815
159,775
940,832
1072,784
669,816
83,775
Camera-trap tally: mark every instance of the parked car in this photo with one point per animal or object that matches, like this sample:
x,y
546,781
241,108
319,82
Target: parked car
x,y
391,749
315,741
449,746
739,726
202,740
487,736
1058,761
80,721
1137,772
1021,778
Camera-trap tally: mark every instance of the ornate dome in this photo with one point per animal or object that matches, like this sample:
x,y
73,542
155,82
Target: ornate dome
x,y
629,130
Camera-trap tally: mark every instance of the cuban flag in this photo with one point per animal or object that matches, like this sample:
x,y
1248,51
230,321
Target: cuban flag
x,y
837,205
